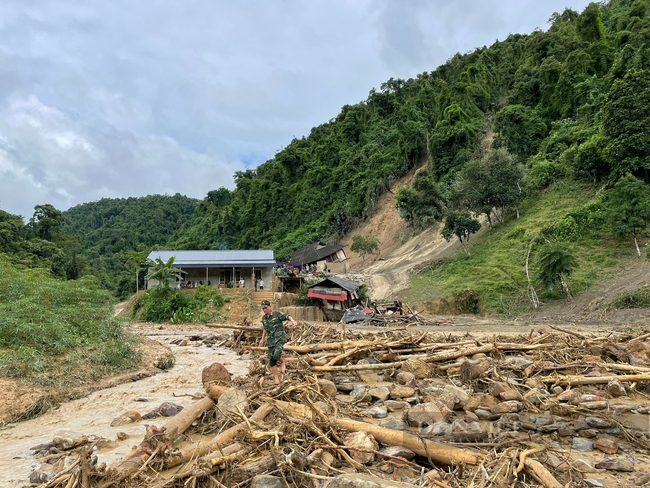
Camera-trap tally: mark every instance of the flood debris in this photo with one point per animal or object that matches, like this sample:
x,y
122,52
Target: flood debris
x,y
392,409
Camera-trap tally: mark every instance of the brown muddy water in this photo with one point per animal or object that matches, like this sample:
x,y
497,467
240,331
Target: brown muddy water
x,y
93,414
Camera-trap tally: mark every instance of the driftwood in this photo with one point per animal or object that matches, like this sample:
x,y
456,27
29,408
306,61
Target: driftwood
x,y
540,473
591,380
436,451
251,328
223,438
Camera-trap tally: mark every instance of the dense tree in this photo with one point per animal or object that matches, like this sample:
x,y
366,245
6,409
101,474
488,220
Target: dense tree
x,y
364,245
462,225
554,264
628,208
521,129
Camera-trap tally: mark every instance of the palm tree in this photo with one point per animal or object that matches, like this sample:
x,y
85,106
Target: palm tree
x,y
163,272
554,265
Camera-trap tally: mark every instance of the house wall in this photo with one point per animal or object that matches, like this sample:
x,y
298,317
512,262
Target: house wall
x,y
214,275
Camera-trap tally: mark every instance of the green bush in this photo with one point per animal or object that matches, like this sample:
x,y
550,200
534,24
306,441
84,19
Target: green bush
x,y
43,321
543,174
167,305
206,294
639,298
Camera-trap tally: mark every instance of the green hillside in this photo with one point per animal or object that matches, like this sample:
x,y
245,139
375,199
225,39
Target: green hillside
x,y
116,234
566,104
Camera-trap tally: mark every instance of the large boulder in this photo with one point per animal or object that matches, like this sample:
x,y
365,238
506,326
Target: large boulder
x,y
216,374
419,368
358,480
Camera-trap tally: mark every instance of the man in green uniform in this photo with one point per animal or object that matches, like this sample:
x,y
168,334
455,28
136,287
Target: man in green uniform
x,y
272,323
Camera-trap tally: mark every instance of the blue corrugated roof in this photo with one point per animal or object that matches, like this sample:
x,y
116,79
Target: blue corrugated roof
x,y
216,258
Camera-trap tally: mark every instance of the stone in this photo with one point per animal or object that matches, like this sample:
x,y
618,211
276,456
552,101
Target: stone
x,y
622,407
553,427
323,406
615,388
488,401
405,378
580,425
598,423
216,374
515,363
400,391
419,368
557,463
567,396
641,479
589,433
585,466
471,417
378,412
608,445
581,444
592,483
360,394
43,474
511,395
327,387
462,397
395,424
616,464
394,405
498,387
361,440
169,409
398,451
589,397
126,418
358,480
231,399
473,403
597,405
439,428
66,440
267,481
556,390
446,398
485,414
380,393
510,406
536,396
427,414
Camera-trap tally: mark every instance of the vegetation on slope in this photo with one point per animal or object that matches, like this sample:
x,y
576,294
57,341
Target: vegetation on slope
x,y
61,328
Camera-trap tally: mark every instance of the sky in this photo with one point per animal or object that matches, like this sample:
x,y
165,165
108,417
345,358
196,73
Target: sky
x,y
131,98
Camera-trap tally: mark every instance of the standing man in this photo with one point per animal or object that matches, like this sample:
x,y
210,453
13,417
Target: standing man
x,y
261,284
272,323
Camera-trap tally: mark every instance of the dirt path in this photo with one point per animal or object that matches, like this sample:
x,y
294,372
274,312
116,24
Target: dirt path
x,y
93,414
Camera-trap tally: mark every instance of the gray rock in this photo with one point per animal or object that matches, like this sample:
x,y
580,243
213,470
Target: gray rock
x,y
593,483
615,388
516,363
405,378
68,440
358,480
553,427
395,424
616,464
598,423
581,444
267,481
398,451
360,394
439,428
378,412
380,393
485,414
43,474
427,414
327,387
231,399
169,409
361,440
462,397
394,405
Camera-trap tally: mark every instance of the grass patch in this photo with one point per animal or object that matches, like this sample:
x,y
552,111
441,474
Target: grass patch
x,y
496,269
53,332
639,298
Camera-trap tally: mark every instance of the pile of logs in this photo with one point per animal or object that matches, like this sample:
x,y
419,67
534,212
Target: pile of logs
x,y
402,409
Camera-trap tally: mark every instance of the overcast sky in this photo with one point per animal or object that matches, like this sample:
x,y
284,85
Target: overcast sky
x,y
128,98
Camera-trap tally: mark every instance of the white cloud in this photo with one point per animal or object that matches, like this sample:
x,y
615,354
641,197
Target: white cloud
x,y
126,98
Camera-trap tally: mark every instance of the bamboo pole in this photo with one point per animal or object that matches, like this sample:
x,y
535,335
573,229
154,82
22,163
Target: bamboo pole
x,y
591,380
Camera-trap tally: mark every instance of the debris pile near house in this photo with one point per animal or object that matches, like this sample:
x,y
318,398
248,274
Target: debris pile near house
x,y
398,409
386,314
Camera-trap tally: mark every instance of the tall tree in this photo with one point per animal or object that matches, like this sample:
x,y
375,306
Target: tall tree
x,y
462,225
554,264
628,208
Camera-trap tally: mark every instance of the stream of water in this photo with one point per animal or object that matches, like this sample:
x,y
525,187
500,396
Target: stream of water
x,y
93,414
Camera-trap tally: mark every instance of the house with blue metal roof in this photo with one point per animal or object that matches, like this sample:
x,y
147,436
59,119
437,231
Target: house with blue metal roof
x,y
216,268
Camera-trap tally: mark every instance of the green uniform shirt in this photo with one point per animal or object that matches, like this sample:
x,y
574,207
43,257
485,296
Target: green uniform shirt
x,y
274,329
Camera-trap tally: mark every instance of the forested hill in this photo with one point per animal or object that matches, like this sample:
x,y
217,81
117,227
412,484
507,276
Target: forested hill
x,y
114,233
569,102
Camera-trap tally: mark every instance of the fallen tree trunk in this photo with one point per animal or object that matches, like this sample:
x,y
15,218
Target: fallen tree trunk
x,y
179,457
591,380
540,473
436,451
329,346
235,327
165,435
